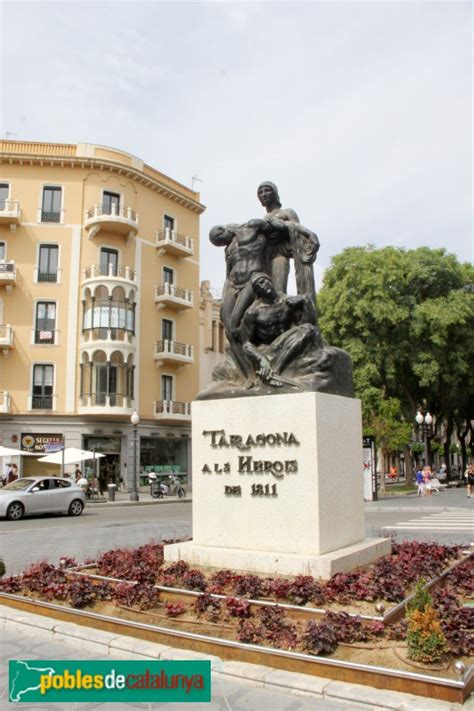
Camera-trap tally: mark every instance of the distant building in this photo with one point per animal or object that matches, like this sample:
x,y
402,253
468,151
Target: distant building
x,y
211,333
99,312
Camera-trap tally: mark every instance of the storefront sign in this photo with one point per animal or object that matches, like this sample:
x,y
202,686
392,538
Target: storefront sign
x,y
41,443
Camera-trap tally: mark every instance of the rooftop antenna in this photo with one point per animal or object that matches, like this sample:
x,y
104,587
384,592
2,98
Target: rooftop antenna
x,y
195,177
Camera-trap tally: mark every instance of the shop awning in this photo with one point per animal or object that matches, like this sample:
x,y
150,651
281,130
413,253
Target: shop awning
x,y
9,452
72,455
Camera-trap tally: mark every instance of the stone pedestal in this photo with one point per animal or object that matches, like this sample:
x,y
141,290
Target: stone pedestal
x,y
278,486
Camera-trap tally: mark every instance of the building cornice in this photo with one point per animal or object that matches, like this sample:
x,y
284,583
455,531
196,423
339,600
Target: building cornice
x,y
83,156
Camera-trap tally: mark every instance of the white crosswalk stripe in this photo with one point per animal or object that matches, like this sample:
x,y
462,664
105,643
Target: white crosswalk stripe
x,y
443,521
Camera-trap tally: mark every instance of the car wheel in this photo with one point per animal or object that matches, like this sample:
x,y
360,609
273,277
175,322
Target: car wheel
x,y
15,511
76,507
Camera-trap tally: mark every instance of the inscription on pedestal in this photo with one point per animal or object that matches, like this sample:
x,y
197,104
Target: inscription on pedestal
x,y
249,464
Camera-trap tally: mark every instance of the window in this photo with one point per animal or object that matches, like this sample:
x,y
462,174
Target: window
x,y
3,250
110,203
168,275
4,192
166,388
105,383
167,330
168,223
45,322
61,484
42,387
48,263
108,261
51,208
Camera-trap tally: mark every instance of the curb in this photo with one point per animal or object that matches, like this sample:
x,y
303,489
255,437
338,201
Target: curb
x,y
146,502
122,647
414,509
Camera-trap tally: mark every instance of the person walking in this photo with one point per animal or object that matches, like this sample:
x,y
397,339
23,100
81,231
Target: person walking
x,y
427,479
469,476
420,483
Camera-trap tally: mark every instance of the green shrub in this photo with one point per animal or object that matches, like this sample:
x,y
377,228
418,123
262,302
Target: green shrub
x,y
3,568
425,639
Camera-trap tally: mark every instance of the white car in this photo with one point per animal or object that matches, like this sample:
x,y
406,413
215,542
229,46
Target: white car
x,y
41,495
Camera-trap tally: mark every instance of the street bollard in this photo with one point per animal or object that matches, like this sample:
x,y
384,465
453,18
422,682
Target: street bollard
x,y
111,488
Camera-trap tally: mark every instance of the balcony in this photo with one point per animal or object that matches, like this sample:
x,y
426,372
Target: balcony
x,y
7,275
43,337
118,220
170,412
10,213
171,352
51,217
173,297
43,403
6,339
111,274
47,277
170,242
106,404
5,402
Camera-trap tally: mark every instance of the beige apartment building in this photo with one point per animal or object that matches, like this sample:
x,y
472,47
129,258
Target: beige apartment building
x,y
99,306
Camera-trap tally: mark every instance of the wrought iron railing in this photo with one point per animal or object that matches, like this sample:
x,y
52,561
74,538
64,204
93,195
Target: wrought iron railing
x,y
50,216
45,337
42,402
48,277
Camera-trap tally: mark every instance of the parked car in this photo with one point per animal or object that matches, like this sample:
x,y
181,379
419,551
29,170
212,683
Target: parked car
x,y
41,495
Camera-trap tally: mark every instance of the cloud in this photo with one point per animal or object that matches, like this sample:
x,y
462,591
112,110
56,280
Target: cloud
x,y
360,112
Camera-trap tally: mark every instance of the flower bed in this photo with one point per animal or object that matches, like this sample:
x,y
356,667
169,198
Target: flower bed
x,y
233,617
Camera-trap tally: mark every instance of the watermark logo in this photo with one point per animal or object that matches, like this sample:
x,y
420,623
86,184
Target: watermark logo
x,y
103,681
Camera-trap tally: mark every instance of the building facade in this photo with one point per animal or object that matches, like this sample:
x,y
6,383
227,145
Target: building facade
x,y
212,339
99,306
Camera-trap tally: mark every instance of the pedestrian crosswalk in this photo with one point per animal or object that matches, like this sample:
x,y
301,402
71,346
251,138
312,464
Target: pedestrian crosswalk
x,y
442,521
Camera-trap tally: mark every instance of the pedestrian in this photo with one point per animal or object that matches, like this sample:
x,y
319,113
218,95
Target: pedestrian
x,y
420,482
77,474
393,472
12,474
469,476
83,483
427,475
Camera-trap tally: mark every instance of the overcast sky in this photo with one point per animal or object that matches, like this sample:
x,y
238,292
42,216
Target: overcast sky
x,y
361,112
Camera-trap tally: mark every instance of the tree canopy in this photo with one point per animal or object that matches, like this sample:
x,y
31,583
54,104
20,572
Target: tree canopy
x,y
406,317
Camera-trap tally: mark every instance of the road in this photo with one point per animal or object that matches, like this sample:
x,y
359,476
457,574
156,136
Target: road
x,y
100,528
447,518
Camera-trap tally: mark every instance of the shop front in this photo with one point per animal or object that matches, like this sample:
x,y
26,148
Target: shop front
x,y
40,444
164,456
108,468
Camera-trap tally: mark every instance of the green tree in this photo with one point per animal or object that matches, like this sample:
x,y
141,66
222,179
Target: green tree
x,y
406,317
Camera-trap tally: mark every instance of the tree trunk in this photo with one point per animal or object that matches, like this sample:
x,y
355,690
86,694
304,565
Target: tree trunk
x,y
382,473
447,447
408,467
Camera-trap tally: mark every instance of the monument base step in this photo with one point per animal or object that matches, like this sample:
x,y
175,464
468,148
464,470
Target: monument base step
x,y
319,566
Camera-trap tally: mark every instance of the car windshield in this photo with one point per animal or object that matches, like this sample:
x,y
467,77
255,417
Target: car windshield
x,y
19,485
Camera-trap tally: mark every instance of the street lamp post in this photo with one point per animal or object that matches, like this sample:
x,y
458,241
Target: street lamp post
x,y
134,419
424,428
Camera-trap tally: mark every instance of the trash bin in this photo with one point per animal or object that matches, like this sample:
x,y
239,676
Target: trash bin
x,y
111,488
